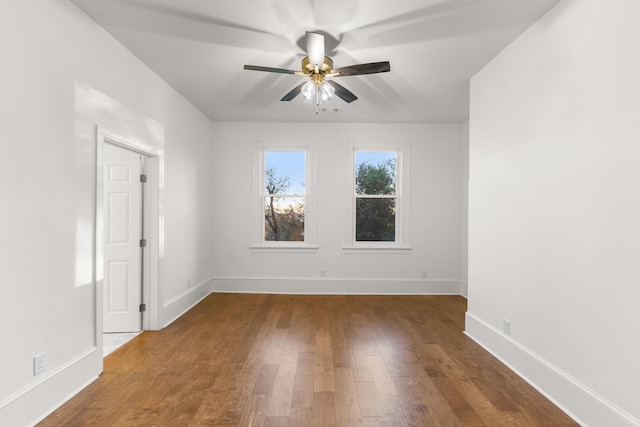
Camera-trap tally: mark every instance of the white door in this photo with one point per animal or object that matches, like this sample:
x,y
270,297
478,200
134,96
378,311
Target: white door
x,y
123,210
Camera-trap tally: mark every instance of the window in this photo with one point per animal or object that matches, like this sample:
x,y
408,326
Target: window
x,y
379,197
283,209
375,196
284,195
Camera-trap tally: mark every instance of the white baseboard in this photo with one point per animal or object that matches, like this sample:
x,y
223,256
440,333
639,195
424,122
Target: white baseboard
x,y
579,402
180,304
338,286
32,404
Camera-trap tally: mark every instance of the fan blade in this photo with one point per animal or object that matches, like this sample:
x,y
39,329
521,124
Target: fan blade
x,y
370,68
268,69
315,48
341,91
294,92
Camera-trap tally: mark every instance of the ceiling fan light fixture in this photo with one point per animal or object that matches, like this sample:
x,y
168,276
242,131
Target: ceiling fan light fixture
x,y
309,91
319,69
325,91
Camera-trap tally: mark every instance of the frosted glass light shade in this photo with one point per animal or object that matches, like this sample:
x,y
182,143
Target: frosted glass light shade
x,y
325,91
308,91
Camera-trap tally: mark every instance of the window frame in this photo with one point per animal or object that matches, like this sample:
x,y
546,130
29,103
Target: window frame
x,y
401,243
258,242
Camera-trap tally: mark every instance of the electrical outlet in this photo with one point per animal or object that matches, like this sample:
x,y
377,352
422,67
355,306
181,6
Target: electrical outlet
x,y
506,326
188,283
39,363
323,272
424,274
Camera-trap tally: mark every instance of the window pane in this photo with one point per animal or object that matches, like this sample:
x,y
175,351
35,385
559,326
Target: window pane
x,y
284,172
284,219
375,172
375,219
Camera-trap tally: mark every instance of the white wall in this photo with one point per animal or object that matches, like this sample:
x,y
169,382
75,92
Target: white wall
x,y
61,74
436,174
554,208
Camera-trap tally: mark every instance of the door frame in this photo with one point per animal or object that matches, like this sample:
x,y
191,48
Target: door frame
x,y
153,225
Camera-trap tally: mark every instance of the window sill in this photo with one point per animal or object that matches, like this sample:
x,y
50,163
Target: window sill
x,y
291,249
376,249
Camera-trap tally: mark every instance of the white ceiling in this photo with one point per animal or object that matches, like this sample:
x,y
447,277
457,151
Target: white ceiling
x,y
434,46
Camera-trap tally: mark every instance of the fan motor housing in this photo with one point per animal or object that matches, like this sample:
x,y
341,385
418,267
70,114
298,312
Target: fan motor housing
x,y
307,68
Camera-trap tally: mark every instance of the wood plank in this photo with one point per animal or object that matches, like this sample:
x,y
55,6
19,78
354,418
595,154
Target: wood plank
x,y
425,405
283,388
284,321
463,411
395,412
341,357
324,409
480,402
376,422
381,378
301,417
306,363
369,399
276,422
323,374
265,380
255,412
395,358
323,338
348,411
302,392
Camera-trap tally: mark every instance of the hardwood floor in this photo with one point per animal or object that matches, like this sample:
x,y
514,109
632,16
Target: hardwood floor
x,y
291,360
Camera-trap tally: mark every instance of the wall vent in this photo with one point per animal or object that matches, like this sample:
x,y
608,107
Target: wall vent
x,y
330,109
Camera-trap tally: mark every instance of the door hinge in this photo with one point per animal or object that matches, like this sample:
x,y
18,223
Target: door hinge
x,y
143,178
143,243
143,307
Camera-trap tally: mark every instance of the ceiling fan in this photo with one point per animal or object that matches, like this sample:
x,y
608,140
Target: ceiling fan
x,y
319,69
